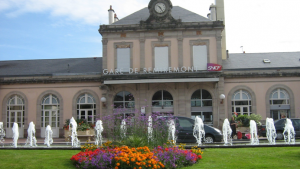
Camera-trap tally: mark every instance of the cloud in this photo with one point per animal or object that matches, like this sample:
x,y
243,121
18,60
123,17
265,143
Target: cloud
x,y
89,11
92,12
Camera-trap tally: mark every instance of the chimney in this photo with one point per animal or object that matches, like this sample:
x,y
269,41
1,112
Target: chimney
x,y
116,18
208,15
111,13
213,12
227,54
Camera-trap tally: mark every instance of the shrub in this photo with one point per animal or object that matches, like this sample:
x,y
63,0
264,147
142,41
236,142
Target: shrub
x,y
244,120
136,129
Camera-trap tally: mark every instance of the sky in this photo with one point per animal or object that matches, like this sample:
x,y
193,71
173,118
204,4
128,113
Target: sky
x,y
55,29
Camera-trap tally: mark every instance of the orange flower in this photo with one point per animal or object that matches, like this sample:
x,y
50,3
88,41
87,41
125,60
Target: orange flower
x,y
118,164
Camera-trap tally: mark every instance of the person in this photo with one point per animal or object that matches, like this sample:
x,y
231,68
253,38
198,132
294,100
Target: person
x,y
233,126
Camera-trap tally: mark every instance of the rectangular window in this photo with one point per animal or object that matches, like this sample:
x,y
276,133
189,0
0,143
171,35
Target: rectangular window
x,y
200,57
161,55
123,59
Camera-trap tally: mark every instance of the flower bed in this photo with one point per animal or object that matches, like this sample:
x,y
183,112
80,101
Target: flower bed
x,y
136,158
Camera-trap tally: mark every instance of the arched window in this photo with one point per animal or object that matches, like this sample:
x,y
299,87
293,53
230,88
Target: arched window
x,y
241,102
124,104
279,96
279,104
124,99
162,99
201,105
86,108
50,114
15,113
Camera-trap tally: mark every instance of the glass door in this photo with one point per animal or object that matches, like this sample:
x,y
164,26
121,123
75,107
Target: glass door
x,y
280,114
12,117
50,117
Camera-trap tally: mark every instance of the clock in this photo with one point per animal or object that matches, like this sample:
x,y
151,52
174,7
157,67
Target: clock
x,y
160,7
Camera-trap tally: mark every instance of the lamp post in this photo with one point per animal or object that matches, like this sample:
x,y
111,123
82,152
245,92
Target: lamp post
x,y
222,97
103,100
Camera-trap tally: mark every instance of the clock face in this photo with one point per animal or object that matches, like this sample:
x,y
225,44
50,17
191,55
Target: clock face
x,y
160,7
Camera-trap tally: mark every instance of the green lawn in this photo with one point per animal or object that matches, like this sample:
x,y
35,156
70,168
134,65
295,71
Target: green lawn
x,y
39,159
277,157
256,158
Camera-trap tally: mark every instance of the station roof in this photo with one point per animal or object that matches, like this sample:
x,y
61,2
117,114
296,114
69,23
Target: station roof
x,y
177,13
51,66
256,60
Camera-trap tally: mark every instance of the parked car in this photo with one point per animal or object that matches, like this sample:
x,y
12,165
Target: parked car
x,y
279,126
185,127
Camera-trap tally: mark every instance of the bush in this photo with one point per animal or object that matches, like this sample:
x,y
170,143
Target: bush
x,y
136,133
244,120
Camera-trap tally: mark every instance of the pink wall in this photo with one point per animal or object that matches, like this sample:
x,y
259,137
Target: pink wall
x,y
33,91
260,86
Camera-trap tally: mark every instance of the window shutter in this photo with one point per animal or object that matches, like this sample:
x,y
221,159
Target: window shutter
x,y
200,57
123,59
161,58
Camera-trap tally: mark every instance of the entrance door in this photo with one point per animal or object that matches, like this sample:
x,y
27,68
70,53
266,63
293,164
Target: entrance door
x,y
18,117
50,117
280,114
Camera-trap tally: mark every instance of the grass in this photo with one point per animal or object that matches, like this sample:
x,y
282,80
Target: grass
x,y
269,157
37,159
264,157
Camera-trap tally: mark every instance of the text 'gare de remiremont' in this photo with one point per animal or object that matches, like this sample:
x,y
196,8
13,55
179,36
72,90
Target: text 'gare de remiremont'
x,y
210,67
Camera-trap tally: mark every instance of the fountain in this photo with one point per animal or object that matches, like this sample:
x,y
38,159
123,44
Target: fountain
x,y
123,129
171,131
271,131
227,132
48,136
289,132
74,138
98,130
253,131
2,134
31,139
15,130
198,131
150,129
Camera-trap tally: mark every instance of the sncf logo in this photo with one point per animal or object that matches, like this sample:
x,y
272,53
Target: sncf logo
x,y
213,67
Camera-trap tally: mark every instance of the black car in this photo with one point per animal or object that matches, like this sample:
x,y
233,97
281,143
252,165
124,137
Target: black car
x,y
185,127
279,126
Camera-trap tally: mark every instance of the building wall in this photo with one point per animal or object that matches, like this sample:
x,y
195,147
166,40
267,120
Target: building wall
x,y
180,43
33,94
181,93
260,89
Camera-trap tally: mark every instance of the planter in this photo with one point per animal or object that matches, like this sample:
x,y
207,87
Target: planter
x,y
87,132
68,133
243,129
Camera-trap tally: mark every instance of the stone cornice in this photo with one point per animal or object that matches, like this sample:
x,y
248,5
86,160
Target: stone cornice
x,y
283,72
48,79
143,26
162,76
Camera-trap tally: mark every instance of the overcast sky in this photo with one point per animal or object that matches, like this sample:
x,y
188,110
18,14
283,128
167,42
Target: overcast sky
x,y
48,29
